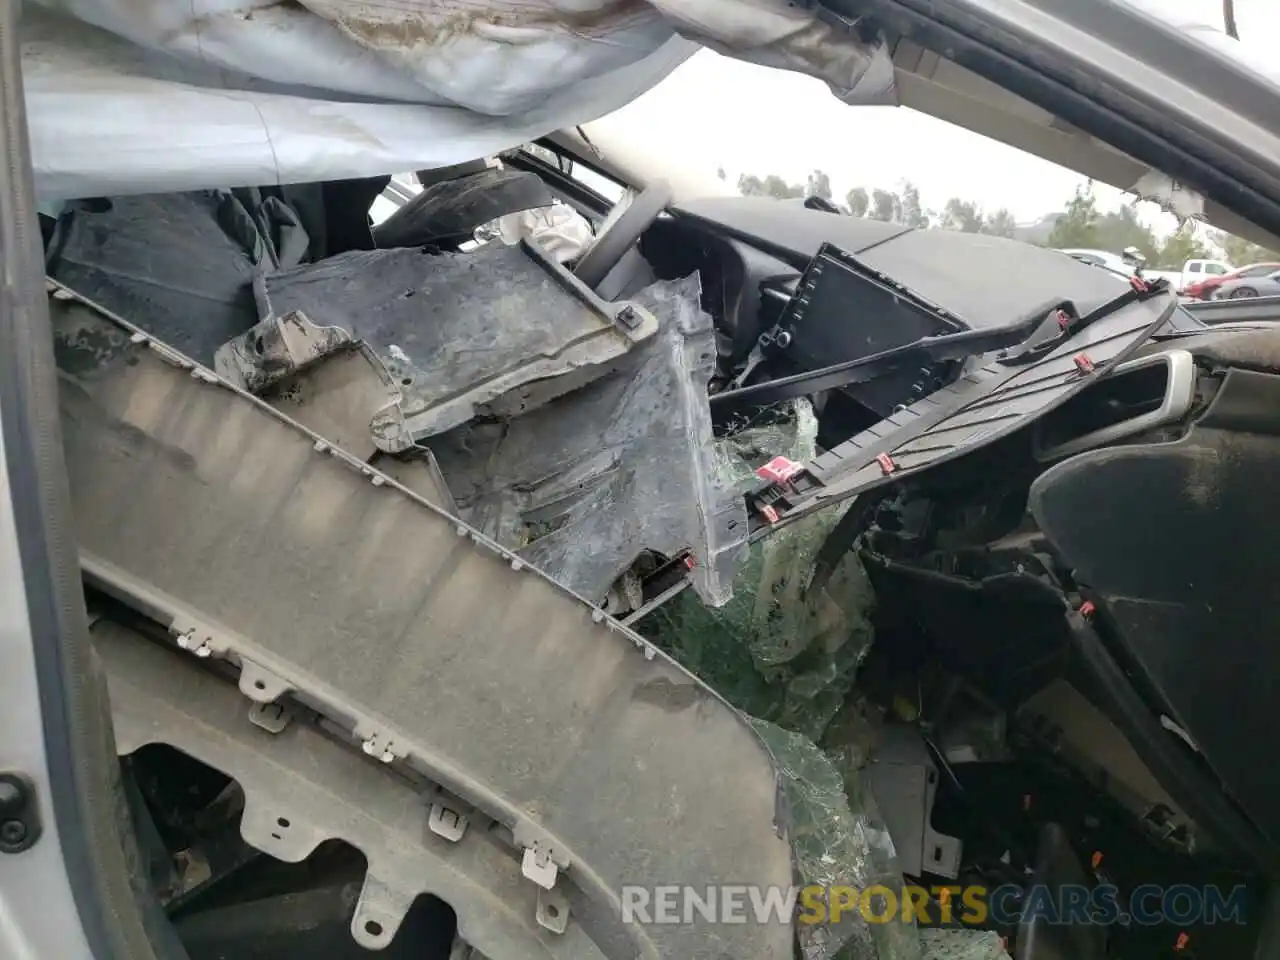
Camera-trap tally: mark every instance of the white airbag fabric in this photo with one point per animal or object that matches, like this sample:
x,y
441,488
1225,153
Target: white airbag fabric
x,y
129,96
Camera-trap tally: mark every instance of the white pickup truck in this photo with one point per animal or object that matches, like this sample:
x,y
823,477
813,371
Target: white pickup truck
x,y
1193,271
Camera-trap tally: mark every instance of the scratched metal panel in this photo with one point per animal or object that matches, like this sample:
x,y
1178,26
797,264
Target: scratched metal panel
x,y
988,402
209,509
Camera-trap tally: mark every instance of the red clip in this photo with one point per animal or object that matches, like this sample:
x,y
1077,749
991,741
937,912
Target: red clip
x,y
1087,609
1083,363
1096,860
1064,319
1139,284
779,470
887,466
690,561
769,513
1181,943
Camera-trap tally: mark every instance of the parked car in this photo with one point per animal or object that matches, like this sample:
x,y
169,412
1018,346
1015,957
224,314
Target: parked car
x,y
1207,288
1193,271
1101,258
1258,285
1130,262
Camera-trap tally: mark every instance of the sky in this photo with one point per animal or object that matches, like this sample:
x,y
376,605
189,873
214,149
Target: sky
x,y
788,124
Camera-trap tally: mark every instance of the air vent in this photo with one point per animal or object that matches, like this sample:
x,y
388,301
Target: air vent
x,y
1138,396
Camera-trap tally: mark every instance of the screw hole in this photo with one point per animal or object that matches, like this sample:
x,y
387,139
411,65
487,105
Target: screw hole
x,y
552,911
259,685
259,347
276,836
282,821
407,382
373,928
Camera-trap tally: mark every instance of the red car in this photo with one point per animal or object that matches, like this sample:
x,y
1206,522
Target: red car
x,y
1203,289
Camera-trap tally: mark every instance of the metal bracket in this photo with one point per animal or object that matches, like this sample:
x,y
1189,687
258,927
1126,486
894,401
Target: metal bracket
x,y
942,854
274,349
542,860
904,780
193,643
552,912
446,822
378,743
271,717
260,684
538,866
197,637
379,912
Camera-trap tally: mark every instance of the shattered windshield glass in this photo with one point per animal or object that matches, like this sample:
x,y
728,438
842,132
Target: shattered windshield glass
x,y
787,656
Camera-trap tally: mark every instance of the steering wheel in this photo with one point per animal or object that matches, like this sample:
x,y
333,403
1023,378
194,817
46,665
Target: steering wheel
x,y
620,236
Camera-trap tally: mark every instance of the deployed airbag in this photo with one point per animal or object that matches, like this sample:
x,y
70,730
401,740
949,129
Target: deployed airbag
x,y
178,95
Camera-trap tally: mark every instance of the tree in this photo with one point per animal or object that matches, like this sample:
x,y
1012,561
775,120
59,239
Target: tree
x,y
771,186
1179,247
905,207
775,186
1240,252
961,215
1078,225
966,216
1122,229
857,201
721,174
886,206
911,213
819,185
1000,224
